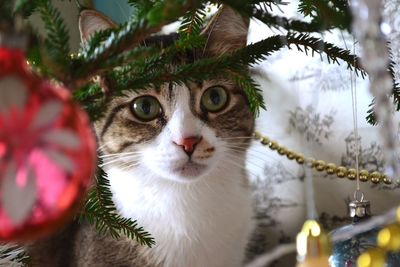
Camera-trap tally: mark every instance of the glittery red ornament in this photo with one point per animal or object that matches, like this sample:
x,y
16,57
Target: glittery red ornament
x,y
47,152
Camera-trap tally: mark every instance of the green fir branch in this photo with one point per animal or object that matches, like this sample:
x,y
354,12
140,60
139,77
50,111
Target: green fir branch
x,y
128,36
305,42
192,22
237,62
269,4
24,7
274,21
327,13
57,40
100,211
162,59
253,92
92,99
259,11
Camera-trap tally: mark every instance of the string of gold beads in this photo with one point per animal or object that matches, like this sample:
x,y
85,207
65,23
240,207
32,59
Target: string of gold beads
x,y
322,166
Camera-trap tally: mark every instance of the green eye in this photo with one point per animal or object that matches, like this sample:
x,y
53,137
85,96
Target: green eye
x,y
214,99
146,108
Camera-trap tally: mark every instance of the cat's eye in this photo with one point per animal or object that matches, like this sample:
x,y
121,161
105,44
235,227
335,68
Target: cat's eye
x,y
214,99
146,108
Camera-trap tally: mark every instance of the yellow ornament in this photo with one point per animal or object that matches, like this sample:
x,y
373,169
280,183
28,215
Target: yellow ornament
x,y
372,258
320,262
398,214
389,237
313,247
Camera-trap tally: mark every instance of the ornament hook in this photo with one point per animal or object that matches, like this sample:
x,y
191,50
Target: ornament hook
x,y
358,195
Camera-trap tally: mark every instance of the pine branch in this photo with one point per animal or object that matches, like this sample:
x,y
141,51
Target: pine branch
x,y
268,5
257,10
285,23
192,22
253,92
237,62
332,52
100,211
57,41
24,7
92,99
160,60
327,13
127,37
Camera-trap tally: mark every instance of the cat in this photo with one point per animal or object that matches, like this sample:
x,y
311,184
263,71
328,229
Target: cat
x,y
175,158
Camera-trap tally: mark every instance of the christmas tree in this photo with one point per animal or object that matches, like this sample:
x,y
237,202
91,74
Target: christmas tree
x,y
123,62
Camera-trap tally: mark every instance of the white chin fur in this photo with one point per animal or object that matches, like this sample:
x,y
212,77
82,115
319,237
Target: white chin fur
x,y
206,223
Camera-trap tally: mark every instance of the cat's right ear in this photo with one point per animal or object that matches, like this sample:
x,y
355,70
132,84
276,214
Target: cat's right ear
x,y
91,21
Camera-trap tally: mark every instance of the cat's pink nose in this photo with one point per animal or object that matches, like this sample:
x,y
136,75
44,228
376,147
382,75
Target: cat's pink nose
x,y
189,144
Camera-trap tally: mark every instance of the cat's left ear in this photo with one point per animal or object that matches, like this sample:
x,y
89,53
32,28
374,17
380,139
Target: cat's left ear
x,y
226,32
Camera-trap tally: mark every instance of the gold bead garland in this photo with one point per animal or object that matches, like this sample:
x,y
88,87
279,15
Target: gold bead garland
x,y
321,166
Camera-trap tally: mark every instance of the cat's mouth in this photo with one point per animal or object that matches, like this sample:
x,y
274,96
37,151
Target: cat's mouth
x,y
190,169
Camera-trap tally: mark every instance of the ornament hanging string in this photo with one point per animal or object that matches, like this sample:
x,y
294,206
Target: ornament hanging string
x,y
353,83
358,195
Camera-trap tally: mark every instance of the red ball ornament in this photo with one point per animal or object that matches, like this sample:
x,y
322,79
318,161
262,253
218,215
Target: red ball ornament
x,y
47,152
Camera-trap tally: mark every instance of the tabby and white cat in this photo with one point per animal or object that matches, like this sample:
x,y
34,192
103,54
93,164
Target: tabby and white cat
x,y
174,157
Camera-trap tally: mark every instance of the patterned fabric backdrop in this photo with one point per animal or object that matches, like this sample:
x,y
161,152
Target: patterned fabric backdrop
x,y
309,110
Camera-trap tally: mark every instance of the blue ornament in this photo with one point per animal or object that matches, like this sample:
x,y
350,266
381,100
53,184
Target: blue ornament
x,y
345,253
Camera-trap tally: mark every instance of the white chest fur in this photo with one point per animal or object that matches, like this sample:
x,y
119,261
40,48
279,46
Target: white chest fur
x,y
206,223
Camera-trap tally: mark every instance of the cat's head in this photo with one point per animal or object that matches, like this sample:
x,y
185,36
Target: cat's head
x,y
179,132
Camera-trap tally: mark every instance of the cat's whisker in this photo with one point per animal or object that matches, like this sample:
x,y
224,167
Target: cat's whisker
x,y
236,137
130,158
127,161
120,154
250,151
104,145
233,162
238,145
246,161
122,157
107,143
129,166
